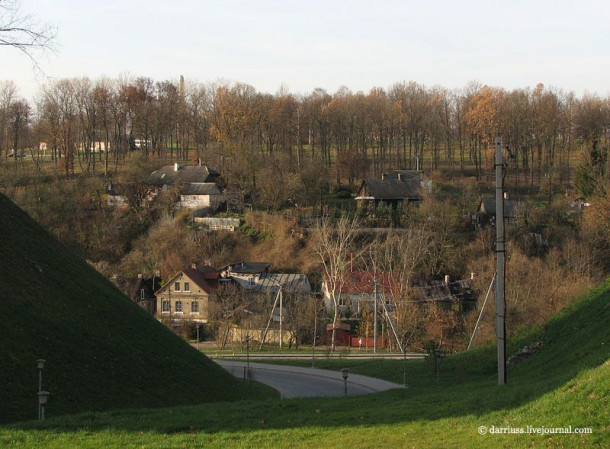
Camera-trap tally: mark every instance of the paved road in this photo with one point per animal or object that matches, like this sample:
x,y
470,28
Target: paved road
x,y
298,382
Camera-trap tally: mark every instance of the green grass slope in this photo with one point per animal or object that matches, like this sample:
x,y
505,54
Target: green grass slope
x,y
102,351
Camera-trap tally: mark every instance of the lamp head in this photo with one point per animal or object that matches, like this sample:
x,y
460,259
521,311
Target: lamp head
x,y
43,396
40,363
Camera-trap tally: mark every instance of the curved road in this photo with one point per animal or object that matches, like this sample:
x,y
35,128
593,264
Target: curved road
x,y
299,382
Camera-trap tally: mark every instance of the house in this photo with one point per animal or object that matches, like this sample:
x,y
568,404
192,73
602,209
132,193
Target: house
x,y
459,295
296,283
201,196
187,294
486,211
264,295
116,195
182,175
200,187
254,278
143,292
357,290
392,189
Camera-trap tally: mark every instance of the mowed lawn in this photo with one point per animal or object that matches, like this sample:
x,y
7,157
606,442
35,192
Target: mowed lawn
x,y
563,387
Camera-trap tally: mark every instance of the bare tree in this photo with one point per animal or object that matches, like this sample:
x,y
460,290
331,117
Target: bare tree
x,y
22,31
333,244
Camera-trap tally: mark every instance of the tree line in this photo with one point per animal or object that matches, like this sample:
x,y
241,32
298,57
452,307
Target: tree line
x,y
90,126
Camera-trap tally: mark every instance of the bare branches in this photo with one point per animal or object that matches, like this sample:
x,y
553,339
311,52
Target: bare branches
x,y
23,32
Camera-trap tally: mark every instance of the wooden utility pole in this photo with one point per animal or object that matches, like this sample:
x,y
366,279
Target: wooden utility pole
x,y
500,260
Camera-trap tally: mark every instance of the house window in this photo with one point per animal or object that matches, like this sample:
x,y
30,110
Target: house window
x,y
176,286
195,307
178,306
251,280
142,294
165,307
187,287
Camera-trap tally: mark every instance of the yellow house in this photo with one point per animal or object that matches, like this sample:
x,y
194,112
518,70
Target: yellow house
x,y
186,296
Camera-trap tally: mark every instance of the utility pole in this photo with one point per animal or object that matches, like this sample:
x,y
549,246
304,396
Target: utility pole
x,y
375,318
281,311
500,260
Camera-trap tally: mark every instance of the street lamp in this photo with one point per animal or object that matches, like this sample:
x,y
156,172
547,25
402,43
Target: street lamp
x,y
43,396
40,366
248,338
345,374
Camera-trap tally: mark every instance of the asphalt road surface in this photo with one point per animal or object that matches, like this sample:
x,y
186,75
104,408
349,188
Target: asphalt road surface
x,y
299,382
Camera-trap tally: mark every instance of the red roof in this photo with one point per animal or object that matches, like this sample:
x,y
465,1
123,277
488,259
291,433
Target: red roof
x,y
364,282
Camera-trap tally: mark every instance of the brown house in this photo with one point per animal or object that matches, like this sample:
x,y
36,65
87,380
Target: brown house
x,y
186,296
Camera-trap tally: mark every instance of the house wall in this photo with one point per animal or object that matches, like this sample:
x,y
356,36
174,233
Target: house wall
x,y
173,295
201,201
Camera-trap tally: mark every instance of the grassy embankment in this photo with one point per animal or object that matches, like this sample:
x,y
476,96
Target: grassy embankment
x,y
102,351
565,383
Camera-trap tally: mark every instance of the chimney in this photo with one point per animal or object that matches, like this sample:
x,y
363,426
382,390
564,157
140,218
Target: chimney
x,y
194,265
383,176
400,177
505,195
446,279
472,275
176,166
139,275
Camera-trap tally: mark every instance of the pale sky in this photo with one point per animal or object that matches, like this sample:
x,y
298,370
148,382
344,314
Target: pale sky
x,y
307,44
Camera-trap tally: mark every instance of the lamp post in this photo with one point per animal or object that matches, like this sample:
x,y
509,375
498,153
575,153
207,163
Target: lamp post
x,y
42,402
345,374
198,326
248,338
40,366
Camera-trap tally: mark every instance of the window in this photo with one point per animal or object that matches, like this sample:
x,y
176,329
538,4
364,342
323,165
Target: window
x,y
187,287
176,286
251,280
142,296
165,307
178,306
195,307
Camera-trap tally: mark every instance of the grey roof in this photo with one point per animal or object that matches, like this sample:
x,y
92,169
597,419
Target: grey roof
x,y
390,189
185,174
405,174
248,267
269,282
201,188
488,206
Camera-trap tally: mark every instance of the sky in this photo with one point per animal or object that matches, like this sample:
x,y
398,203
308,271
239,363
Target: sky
x,y
302,45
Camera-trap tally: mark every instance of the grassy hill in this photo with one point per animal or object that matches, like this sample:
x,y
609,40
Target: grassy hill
x,y
102,351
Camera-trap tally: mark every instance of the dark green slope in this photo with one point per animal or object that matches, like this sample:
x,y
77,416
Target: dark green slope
x,y
102,351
